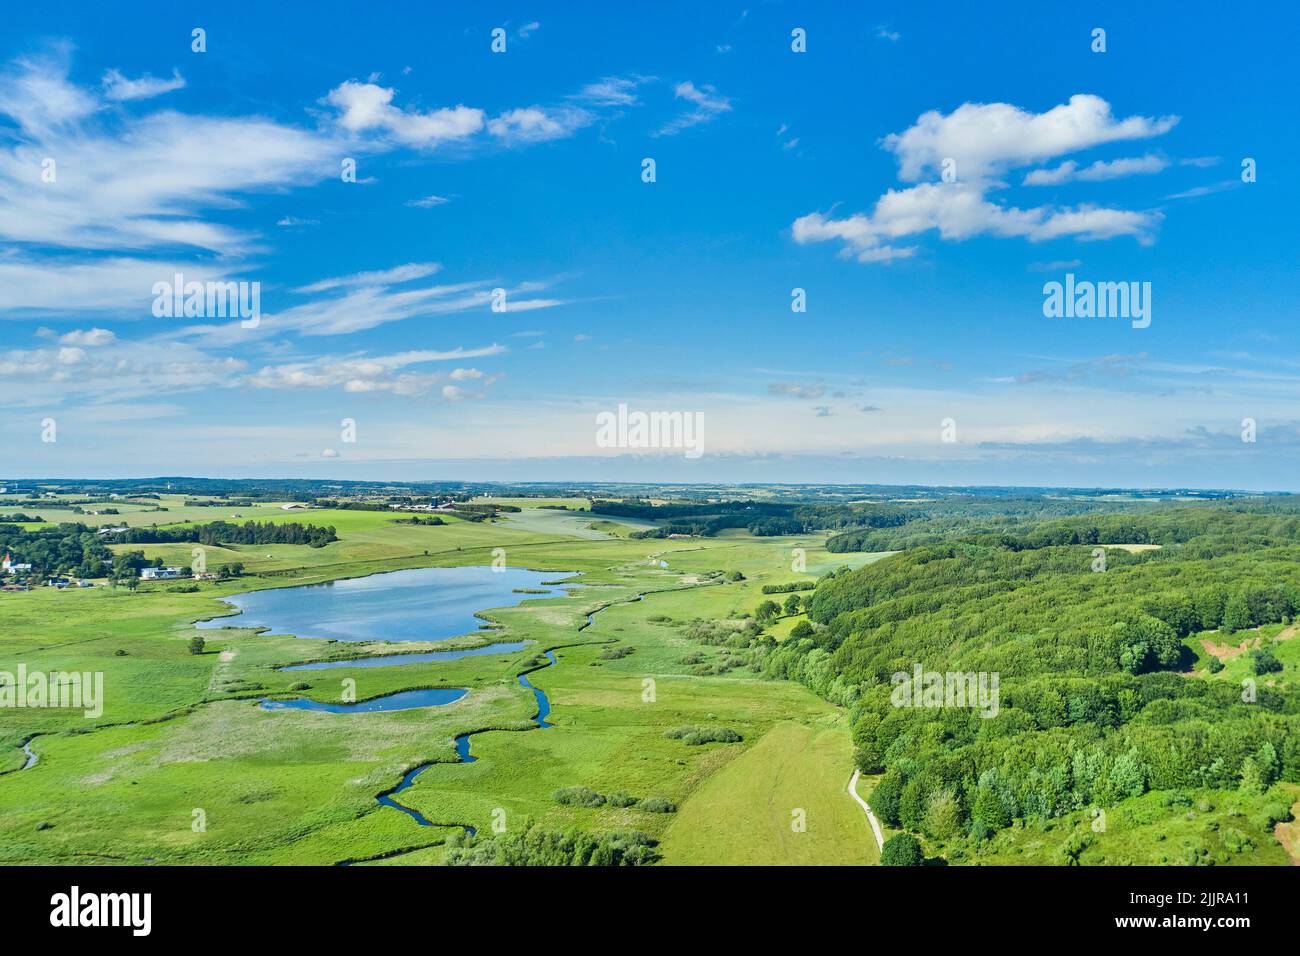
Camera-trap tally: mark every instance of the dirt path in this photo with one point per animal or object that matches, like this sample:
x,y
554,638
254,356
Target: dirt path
x,y
871,817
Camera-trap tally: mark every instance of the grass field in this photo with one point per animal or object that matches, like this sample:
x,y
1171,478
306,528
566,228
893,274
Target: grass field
x,y
784,802
182,766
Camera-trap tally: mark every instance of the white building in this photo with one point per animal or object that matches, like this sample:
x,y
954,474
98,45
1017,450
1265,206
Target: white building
x,y
9,567
150,574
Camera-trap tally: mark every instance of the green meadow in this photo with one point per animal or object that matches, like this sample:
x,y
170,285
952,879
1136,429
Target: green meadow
x,y
183,766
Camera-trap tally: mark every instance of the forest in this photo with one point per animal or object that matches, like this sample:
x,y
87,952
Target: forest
x,y
64,547
1098,699
217,533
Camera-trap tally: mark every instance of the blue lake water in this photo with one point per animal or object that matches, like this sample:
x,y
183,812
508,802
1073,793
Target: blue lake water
x,y
403,700
422,604
396,660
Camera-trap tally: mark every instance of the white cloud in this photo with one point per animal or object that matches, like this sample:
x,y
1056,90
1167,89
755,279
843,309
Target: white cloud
x,y
987,138
428,202
36,94
59,284
1197,191
118,87
368,106
611,91
110,369
960,211
1069,170
381,277
536,124
124,182
295,221
88,337
361,373
528,28
707,105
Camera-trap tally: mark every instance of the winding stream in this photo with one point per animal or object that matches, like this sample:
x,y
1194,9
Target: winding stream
x,y
462,749
462,741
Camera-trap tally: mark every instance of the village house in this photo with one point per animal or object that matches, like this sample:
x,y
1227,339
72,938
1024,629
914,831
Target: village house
x,y
157,574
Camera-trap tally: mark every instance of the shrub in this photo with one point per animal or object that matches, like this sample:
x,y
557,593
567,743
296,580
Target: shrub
x,y
579,797
621,798
786,588
694,736
901,849
656,805
197,643
1264,662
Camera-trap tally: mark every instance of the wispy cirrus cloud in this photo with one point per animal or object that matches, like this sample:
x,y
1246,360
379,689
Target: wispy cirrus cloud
x,y
119,182
1070,171
119,87
362,373
706,105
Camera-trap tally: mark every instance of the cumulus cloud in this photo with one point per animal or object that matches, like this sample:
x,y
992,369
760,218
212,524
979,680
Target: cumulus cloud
x,y
95,364
89,337
986,138
980,142
369,106
536,124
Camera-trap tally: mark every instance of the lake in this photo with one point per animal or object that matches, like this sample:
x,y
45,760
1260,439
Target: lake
x,y
421,604
402,700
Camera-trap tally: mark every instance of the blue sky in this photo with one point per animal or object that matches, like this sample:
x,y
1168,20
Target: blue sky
x,y
775,170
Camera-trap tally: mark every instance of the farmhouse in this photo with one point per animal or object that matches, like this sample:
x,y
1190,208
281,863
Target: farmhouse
x,y
59,583
157,574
